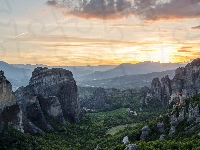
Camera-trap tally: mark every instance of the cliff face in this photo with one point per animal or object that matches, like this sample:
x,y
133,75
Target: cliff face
x,y
10,112
185,84
50,91
97,99
7,97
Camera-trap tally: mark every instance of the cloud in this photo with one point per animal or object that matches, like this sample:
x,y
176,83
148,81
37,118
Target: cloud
x,y
126,25
185,49
94,9
197,27
118,9
168,9
52,3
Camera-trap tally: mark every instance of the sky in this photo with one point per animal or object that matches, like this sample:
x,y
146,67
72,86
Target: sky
x,y
99,32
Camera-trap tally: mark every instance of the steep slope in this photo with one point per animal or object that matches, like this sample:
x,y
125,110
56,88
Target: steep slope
x,y
10,112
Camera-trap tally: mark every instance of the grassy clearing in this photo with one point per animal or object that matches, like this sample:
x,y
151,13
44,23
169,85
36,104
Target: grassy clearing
x,y
109,113
119,128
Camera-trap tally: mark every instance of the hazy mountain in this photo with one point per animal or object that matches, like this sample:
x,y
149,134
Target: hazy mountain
x,y
131,69
17,76
128,81
28,66
77,71
14,72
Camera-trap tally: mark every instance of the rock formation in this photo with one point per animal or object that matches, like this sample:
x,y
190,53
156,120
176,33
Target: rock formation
x,y
52,107
10,113
97,100
52,92
131,147
160,126
125,140
145,133
7,97
184,85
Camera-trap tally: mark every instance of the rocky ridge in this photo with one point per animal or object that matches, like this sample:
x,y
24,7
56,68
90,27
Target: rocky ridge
x,y
51,92
184,85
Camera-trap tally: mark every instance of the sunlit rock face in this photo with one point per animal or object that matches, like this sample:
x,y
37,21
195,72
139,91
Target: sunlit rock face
x,y
10,113
7,97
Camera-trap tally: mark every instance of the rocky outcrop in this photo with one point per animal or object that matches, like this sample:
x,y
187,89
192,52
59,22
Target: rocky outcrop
x,y
185,84
61,84
156,88
125,140
166,89
52,107
10,113
160,126
97,100
52,92
131,147
145,95
7,97
145,133
29,103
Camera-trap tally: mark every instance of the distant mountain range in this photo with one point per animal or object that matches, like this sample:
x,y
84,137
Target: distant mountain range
x,y
17,76
128,81
124,75
78,71
14,72
131,69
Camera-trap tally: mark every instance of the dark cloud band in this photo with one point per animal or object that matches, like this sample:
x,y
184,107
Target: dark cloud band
x,y
118,9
